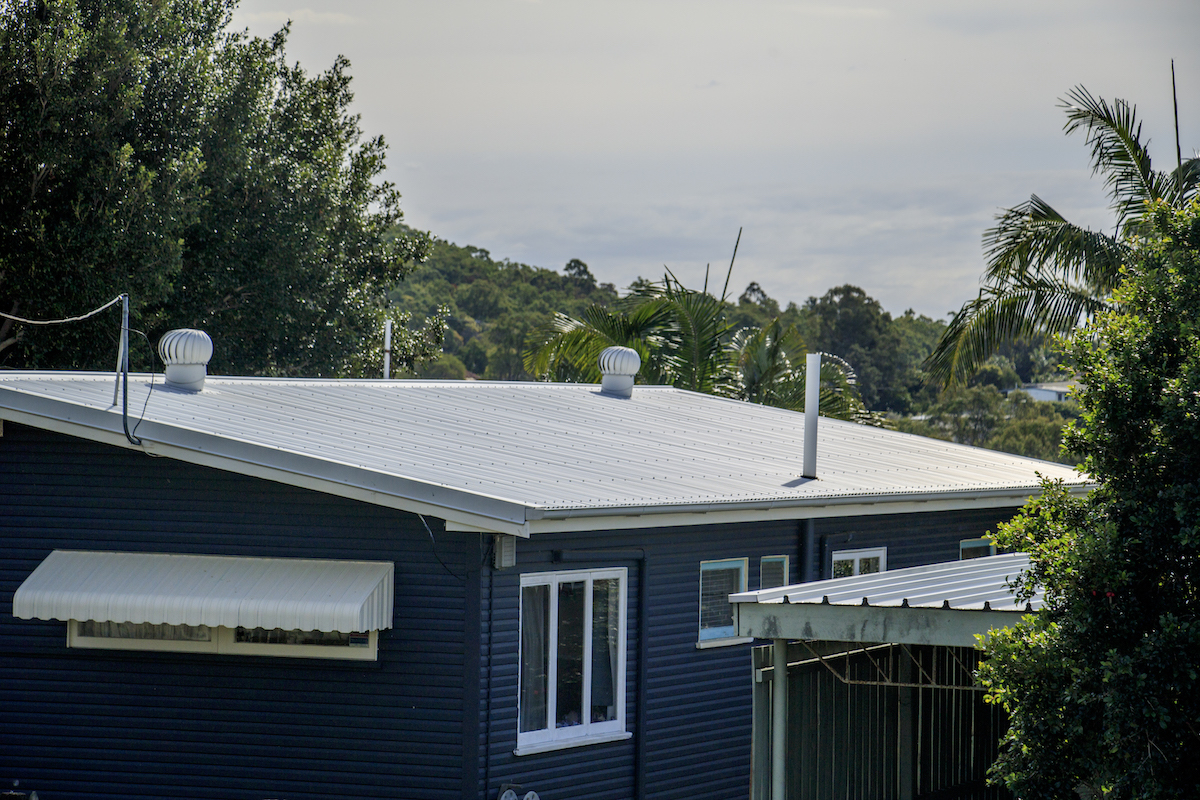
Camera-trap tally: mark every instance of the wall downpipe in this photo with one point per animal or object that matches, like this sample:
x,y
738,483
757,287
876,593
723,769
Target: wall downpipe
x,y
812,403
779,682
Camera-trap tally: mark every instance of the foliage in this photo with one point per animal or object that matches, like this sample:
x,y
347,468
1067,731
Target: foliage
x,y
148,150
981,416
1103,685
685,338
493,305
1045,274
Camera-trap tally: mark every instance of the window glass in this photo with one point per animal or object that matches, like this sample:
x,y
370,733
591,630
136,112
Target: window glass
x,y
718,580
606,626
975,548
572,660
145,631
772,572
317,638
535,656
864,561
571,599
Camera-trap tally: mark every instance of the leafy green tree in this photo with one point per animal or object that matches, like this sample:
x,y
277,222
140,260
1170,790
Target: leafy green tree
x,y
1044,274
148,150
853,325
686,339
1103,684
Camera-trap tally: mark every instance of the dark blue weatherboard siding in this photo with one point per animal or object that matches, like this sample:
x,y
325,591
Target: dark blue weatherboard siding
x,y
81,723
911,539
697,723
698,703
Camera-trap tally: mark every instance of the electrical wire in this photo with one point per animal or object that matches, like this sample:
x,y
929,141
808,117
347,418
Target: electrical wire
x,y
449,571
93,313
150,389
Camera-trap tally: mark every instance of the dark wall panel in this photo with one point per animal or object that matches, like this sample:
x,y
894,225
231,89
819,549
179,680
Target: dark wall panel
x,y
109,724
697,703
910,539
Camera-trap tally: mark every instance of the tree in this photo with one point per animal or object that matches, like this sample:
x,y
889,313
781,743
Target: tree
x,y
855,327
1103,684
686,339
1044,275
148,150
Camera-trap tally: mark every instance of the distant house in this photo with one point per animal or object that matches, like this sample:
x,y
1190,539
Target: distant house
x,y
308,589
1055,392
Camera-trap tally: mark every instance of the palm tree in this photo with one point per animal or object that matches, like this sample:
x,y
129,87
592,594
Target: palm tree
x,y
685,339
1045,275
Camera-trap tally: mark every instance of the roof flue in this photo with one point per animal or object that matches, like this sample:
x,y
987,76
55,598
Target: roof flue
x,y
619,366
186,353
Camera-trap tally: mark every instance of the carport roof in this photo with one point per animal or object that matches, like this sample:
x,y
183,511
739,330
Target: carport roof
x,y
940,604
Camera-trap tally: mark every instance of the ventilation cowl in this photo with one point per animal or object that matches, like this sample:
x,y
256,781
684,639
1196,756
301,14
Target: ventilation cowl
x,y
186,352
618,365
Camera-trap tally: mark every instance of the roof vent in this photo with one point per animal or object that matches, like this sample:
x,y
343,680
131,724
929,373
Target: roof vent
x,y
618,365
186,353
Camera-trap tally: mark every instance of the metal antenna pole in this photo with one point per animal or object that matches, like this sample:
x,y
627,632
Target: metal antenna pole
x,y
123,347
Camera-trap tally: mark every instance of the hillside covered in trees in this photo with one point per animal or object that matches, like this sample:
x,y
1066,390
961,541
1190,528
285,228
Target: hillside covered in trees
x,y
499,309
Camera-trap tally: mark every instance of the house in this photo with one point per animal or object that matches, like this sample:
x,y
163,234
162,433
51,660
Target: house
x,y
272,588
1056,392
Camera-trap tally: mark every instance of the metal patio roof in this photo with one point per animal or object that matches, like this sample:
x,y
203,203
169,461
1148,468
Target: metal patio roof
x,y
529,457
945,604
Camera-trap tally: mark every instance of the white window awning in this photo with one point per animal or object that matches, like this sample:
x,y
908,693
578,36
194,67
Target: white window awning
x,y
229,591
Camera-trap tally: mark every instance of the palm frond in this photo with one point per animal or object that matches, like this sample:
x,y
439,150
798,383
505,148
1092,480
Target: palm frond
x,y
696,337
1005,313
1032,242
1114,134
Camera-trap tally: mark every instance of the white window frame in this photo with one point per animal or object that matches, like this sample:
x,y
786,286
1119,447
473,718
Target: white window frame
x,y
787,565
857,555
964,544
719,637
223,641
586,732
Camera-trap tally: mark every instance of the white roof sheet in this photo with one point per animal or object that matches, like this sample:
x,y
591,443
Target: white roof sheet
x,y
975,584
521,451
161,588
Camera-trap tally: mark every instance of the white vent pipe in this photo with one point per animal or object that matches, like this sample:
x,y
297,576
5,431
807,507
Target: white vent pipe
x,y
812,403
387,350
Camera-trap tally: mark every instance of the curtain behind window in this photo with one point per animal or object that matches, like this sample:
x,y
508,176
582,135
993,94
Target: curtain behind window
x,y
535,656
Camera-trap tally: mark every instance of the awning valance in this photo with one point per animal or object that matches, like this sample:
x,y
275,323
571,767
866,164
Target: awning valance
x,y
230,591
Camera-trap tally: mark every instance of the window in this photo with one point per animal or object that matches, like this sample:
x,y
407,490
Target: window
x,y
572,668
231,641
718,580
859,562
975,548
772,572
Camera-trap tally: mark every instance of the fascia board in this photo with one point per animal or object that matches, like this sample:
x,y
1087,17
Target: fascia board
x,y
869,624
275,465
821,509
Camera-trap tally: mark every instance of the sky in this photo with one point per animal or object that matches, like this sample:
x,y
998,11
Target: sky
x,y
869,144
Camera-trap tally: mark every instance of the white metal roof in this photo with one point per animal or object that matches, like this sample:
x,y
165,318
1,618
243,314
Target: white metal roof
x,y
525,457
162,588
946,603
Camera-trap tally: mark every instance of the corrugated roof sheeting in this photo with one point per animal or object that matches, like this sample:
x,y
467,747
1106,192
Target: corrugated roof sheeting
x,y
974,584
172,589
552,446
